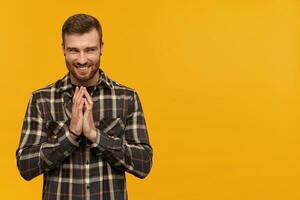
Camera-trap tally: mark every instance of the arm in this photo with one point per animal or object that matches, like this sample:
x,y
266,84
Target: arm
x,y
43,144
132,153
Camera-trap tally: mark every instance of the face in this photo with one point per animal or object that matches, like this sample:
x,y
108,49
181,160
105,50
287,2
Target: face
x,y
82,57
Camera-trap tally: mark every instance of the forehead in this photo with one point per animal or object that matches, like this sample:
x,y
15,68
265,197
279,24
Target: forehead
x,y
84,40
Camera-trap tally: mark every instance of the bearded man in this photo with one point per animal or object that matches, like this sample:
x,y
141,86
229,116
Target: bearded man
x,y
84,131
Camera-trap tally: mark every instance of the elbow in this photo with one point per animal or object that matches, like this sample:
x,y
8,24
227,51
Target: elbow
x,y
141,163
147,165
28,167
148,169
142,175
145,171
26,174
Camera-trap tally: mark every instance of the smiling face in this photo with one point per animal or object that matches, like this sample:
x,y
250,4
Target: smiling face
x,y
82,56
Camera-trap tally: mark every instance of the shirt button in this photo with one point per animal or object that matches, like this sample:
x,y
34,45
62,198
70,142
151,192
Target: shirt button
x,y
88,186
87,162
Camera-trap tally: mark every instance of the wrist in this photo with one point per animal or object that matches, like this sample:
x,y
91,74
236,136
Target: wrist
x,y
73,133
93,135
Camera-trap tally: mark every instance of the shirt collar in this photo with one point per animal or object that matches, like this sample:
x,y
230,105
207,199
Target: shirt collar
x,y
104,80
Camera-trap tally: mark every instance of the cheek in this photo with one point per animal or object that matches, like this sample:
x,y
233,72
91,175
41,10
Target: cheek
x,y
93,58
69,59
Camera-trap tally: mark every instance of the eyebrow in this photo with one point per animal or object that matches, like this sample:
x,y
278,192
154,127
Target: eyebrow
x,y
92,47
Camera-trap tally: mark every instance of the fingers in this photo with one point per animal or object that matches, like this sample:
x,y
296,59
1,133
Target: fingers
x,y
82,99
77,114
78,103
86,107
75,93
79,96
88,100
88,114
80,106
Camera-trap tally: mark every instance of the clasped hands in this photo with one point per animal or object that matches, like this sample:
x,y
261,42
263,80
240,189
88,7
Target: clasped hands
x,y
82,114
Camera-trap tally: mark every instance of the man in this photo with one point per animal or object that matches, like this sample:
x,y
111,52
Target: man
x,y
84,131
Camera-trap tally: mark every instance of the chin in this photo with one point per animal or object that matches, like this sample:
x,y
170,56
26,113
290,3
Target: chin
x,y
83,78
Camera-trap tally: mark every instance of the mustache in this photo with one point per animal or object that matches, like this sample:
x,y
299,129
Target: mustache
x,y
81,65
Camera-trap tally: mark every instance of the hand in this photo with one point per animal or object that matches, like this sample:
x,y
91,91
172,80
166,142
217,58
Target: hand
x,y
76,123
89,129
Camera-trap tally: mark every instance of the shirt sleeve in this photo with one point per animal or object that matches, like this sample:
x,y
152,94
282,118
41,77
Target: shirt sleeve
x,y
132,152
44,144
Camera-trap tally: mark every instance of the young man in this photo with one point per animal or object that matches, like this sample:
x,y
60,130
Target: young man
x,y
84,131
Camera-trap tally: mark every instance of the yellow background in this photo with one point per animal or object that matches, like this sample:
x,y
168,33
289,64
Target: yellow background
x,y
218,81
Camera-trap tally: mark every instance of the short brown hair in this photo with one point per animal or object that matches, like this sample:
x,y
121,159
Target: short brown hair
x,y
81,23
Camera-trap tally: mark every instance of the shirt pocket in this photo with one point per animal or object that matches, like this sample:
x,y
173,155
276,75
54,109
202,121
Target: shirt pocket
x,y
111,126
53,129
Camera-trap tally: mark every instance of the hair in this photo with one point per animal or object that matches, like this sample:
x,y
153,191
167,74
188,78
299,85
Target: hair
x,y
81,23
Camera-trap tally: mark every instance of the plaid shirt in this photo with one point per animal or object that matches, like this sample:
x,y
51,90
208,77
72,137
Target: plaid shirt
x,y
78,168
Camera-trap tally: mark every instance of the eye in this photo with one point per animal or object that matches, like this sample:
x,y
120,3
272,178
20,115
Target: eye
x,y
92,49
72,50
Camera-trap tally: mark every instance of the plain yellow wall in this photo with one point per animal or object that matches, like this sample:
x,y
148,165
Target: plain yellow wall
x,y
218,81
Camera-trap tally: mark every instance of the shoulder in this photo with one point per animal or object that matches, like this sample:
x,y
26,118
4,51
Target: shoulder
x,y
47,91
129,93
125,89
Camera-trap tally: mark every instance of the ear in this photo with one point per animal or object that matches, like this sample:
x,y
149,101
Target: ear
x,y
101,48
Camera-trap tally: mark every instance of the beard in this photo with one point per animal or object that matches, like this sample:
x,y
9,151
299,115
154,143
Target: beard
x,y
72,67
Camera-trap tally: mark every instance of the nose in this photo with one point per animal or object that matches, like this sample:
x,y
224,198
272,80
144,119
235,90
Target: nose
x,y
82,60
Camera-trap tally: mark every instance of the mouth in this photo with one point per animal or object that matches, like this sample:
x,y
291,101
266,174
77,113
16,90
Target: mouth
x,y
82,69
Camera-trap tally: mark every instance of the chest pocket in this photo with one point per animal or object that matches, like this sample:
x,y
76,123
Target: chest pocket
x,y
53,129
112,126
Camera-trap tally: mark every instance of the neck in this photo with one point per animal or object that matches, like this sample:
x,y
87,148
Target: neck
x,y
91,82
